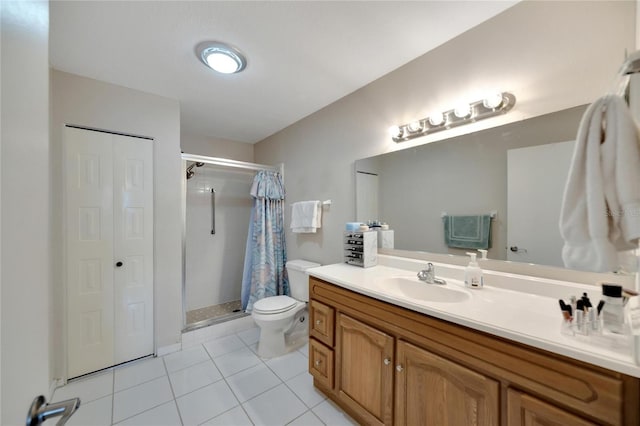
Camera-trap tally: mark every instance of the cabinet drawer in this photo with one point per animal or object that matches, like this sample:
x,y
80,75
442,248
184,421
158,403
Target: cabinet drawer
x,y
322,322
321,363
525,410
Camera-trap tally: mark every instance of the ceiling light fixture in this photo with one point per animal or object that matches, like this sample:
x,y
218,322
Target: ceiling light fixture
x,y
493,105
221,57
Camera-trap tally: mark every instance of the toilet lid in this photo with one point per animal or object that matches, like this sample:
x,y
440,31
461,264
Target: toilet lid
x,y
274,304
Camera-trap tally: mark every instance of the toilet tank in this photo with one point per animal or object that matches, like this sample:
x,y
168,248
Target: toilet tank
x,y
298,283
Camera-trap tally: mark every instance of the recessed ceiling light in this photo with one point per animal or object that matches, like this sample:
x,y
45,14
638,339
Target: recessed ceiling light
x,y
221,57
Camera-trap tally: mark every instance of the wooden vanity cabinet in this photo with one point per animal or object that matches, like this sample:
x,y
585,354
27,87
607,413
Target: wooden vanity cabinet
x,y
394,366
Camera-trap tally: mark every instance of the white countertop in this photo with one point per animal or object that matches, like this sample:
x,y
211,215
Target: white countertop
x,y
532,319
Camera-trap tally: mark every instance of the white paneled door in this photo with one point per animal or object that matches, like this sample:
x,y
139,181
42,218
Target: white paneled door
x,y
109,249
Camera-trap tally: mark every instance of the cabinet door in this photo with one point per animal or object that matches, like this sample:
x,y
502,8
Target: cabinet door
x,y
431,390
365,370
525,410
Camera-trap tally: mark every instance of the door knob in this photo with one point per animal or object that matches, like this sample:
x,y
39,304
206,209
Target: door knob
x,y
119,264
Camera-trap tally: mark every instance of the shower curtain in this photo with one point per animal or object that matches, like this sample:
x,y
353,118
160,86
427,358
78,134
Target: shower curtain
x,y
264,262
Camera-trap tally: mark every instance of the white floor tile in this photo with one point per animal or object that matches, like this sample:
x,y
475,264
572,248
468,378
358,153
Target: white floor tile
x,y
194,377
277,406
94,413
138,373
252,381
302,386
304,350
233,417
250,336
307,419
164,415
223,345
332,415
234,362
183,359
87,389
289,365
137,399
206,403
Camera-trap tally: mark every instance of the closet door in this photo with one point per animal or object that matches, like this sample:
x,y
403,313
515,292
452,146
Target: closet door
x,y
89,250
109,242
133,247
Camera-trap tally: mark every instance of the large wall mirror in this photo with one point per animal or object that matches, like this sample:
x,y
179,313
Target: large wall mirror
x,y
517,171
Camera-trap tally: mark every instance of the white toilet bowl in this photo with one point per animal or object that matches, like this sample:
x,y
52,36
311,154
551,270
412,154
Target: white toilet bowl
x,y
283,319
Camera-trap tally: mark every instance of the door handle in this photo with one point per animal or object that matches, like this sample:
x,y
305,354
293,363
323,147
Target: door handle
x,y
40,410
516,249
119,264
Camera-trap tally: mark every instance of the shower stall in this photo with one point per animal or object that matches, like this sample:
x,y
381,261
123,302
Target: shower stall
x,y
216,213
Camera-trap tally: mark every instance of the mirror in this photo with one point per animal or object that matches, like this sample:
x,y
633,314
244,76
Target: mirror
x,y
478,173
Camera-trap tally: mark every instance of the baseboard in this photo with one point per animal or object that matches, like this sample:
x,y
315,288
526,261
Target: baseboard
x,y
164,350
55,383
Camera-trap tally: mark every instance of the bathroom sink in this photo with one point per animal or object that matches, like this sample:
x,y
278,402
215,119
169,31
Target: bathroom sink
x,y
412,288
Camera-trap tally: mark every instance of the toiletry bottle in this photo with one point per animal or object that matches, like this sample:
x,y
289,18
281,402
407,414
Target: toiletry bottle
x,y
473,273
613,310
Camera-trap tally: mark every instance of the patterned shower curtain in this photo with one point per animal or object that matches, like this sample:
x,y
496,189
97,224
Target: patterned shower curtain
x,y
265,257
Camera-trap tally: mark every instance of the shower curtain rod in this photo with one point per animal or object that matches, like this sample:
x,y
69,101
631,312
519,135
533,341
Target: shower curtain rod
x,y
230,163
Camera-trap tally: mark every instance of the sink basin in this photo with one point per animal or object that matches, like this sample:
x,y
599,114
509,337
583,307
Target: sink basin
x,y
412,288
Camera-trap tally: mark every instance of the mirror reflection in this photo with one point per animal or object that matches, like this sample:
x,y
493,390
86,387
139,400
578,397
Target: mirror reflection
x,y
516,172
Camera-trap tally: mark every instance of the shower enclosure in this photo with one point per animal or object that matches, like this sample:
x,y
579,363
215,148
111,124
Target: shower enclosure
x,y
216,212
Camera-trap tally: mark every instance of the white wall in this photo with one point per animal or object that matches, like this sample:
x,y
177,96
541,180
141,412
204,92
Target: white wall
x,y
25,251
91,103
221,148
551,55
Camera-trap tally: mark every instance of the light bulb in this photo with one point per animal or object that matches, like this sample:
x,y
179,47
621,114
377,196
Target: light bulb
x,y
414,126
222,63
395,132
436,119
492,101
462,110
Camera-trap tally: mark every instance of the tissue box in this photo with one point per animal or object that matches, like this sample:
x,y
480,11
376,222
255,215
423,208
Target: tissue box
x,y
353,226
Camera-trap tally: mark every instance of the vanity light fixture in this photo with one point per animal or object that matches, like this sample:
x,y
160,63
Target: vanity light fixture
x,y
492,105
221,57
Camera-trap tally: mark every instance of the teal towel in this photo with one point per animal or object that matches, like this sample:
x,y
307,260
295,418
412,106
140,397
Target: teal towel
x,y
469,232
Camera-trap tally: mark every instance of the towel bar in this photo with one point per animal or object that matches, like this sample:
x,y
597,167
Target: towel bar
x,y
492,214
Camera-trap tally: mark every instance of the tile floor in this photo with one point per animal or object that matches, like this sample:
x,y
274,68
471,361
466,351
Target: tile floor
x,y
219,382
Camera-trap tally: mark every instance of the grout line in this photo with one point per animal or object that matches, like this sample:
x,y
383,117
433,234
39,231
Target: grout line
x,y
113,395
175,402
138,384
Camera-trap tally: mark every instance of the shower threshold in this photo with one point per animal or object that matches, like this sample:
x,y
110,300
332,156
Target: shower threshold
x,y
214,314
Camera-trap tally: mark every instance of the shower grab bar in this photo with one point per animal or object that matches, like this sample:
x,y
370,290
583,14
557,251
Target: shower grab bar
x,y
213,211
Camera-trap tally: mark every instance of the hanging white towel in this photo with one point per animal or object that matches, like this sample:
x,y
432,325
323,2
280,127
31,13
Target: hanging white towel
x,y
306,216
600,213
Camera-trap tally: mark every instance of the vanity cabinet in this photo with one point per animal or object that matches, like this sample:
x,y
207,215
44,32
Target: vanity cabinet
x,y
387,365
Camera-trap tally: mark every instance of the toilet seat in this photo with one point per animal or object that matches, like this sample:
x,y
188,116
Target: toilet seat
x,y
274,305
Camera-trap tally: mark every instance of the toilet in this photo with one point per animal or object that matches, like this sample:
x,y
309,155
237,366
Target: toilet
x,y
283,319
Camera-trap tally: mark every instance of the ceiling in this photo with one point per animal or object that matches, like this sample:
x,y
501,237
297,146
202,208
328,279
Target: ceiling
x,y
302,55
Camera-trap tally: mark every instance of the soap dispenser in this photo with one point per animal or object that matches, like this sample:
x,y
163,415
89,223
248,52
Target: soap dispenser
x,y
473,273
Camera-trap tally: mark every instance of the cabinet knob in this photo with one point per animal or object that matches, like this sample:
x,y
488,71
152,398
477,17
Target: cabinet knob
x,y
119,264
318,322
399,368
318,362
387,361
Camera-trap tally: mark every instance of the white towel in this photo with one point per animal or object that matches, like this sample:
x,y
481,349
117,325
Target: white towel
x,y
600,213
306,216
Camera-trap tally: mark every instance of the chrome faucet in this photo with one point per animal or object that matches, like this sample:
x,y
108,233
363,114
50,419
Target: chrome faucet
x,y
429,275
